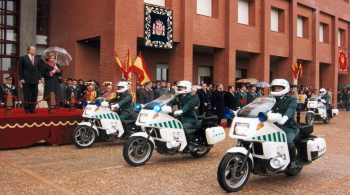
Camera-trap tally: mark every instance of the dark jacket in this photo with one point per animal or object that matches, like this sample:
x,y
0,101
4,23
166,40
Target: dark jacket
x,y
125,103
76,91
52,84
144,96
230,100
251,96
28,72
159,92
286,106
3,92
219,103
186,103
241,98
203,98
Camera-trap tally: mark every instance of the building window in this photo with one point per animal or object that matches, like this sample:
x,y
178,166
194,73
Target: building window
x,y
246,12
204,7
155,2
324,32
277,20
9,37
42,24
303,27
162,71
341,37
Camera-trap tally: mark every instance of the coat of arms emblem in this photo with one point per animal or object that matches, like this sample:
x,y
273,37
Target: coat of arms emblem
x,y
158,28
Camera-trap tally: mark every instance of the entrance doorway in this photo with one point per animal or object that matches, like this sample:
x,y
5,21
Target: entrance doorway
x,y
87,64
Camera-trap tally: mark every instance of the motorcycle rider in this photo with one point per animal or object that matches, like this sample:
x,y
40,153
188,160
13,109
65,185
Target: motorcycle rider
x,y
286,106
123,101
324,100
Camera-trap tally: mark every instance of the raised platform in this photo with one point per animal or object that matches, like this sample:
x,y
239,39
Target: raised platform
x,y
21,130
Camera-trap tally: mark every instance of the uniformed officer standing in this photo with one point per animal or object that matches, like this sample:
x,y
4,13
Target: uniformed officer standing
x,y
123,101
285,105
186,103
251,94
8,87
241,97
76,91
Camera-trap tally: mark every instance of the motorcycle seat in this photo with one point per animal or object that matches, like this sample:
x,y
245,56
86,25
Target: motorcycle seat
x,y
129,121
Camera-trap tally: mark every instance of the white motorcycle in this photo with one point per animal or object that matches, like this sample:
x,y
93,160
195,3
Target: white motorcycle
x,y
262,147
166,134
104,124
317,111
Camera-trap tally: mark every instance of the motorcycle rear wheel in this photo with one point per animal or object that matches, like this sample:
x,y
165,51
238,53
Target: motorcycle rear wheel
x,y
133,153
200,153
228,175
81,138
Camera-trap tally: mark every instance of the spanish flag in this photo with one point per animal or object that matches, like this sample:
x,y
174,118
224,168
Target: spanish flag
x,y
295,70
121,65
140,68
128,66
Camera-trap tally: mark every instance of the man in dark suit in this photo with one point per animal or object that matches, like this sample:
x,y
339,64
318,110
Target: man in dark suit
x,y
160,91
203,97
145,94
218,102
230,102
29,75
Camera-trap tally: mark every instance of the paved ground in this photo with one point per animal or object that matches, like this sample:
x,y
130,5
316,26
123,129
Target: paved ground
x,y
101,170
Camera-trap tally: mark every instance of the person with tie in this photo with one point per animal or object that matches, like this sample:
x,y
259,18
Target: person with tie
x,y
203,97
8,86
29,76
51,71
230,102
145,94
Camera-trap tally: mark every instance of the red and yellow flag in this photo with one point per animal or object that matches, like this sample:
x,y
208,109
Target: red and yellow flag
x,y
121,66
295,70
300,71
128,65
140,68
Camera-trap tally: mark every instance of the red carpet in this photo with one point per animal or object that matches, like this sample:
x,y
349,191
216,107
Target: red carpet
x,y
21,130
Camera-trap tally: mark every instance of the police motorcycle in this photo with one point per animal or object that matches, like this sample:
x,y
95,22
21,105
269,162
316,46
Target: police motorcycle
x,y
163,132
104,124
317,110
262,147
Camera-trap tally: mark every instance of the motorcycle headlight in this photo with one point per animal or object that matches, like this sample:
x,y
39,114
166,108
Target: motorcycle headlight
x,y
241,129
143,118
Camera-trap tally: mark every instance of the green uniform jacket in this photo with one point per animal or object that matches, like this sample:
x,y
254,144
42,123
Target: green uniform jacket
x,y
251,96
125,103
325,97
241,98
186,104
286,106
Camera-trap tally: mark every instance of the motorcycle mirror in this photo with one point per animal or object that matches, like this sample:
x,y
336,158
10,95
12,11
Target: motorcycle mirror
x,y
137,106
262,117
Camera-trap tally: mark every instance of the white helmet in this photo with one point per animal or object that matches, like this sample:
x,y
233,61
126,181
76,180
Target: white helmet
x,y
123,84
185,84
323,91
281,83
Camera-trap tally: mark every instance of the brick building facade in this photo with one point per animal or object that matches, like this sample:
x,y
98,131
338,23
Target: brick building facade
x,y
91,30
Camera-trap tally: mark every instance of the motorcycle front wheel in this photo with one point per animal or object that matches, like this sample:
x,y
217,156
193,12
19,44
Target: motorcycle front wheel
x,y
82,138
134,154
229,176
309,118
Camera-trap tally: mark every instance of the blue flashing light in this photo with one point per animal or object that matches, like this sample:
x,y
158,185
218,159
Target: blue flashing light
x,y
98,104
319,100
228,113
262,117
84,103
137,106
157,108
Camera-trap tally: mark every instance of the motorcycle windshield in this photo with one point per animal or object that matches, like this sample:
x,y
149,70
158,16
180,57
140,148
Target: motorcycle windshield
x,y
99,99
260,104
315,98
161,101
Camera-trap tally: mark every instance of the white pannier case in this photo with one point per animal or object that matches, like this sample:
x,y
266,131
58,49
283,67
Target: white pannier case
x,y
315,148
215,134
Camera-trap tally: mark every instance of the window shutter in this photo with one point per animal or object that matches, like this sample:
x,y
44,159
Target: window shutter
x,y
274,20
321,32
155,2
243,12
300,27
204,7
339,34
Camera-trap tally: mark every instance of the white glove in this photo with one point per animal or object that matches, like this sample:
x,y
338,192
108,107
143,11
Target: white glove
x,y
19,102
323,101
178,112
283,120
115,106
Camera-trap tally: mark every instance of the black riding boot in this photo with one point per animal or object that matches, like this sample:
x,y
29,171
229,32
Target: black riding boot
x,y
293,158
